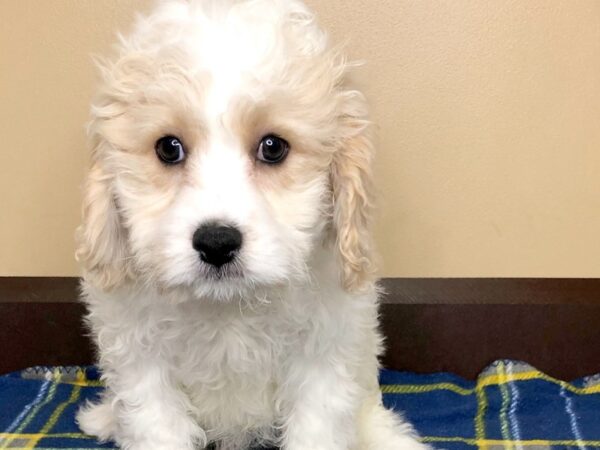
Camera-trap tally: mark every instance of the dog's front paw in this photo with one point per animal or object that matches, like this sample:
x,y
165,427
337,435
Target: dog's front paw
x,y
98,419
148,445
164,443
173,434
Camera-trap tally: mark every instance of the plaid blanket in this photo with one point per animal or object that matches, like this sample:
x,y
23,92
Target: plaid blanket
x,y
511,405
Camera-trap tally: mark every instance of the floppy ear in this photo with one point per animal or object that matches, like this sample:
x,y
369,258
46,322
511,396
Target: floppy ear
x,y
352,193
101,238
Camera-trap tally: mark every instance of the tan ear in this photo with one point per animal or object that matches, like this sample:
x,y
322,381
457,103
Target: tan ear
x,y
353,204
101,238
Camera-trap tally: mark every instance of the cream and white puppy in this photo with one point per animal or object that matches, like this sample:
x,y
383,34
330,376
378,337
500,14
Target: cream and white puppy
x,y
225,240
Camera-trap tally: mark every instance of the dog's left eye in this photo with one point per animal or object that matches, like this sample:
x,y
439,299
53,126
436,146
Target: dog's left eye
x,y
170,150
272,149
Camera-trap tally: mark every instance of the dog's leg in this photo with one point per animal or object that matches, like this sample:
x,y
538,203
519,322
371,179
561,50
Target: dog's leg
x,y
323,419
323,409
98,419
382,429
150,410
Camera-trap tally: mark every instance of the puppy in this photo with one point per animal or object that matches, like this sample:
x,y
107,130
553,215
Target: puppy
x,y
225,241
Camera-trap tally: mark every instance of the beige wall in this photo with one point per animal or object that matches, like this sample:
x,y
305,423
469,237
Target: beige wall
x,y
489,117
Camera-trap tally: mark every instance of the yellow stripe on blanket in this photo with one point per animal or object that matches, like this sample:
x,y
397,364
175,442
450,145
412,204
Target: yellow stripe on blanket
x,y
44,435
487,380
505,443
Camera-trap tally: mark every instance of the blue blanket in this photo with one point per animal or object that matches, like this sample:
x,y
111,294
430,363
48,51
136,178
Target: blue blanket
x,y
511,405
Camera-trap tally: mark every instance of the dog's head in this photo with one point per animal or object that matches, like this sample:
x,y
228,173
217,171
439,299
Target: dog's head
x,y
227,144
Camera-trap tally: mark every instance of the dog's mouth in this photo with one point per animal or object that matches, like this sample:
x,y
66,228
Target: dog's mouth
x,y
229,282
229,271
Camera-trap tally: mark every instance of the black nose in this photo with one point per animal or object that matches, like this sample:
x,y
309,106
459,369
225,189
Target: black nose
x,y
217,244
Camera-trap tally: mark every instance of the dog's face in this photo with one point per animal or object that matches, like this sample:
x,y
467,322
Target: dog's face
x,y
227,145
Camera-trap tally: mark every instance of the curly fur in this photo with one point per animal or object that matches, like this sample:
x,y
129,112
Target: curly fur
x,y
282,350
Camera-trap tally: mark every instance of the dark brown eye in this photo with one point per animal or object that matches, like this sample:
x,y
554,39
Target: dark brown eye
x,y
170,150
272,149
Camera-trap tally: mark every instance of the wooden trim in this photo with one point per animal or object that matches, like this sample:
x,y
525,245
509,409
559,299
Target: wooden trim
x,y
39,289
492,291
431,325
411,291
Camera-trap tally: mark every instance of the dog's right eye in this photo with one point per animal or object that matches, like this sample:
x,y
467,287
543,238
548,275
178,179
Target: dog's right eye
x,y
170,150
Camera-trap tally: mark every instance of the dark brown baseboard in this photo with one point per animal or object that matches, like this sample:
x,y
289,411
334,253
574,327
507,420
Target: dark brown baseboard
x,y
454,325
492,291
39,289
